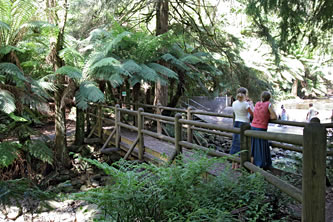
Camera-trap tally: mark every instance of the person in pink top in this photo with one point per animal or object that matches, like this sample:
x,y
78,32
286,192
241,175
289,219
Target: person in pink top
x,y
263,112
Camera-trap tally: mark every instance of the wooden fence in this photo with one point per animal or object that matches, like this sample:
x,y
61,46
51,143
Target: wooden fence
x,y
312,144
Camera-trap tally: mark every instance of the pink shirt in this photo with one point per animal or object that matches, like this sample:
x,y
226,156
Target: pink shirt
x,y
261,115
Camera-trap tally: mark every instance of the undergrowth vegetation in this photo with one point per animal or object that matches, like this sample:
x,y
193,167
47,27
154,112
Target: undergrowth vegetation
x,y
181,192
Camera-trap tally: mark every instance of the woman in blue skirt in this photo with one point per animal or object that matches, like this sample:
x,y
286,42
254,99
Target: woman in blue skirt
x,y
263,112
242,110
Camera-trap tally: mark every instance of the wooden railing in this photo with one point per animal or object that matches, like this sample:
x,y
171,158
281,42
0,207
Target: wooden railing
x,y
312,144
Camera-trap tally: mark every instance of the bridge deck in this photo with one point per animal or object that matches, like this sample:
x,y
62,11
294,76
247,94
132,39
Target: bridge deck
x,y
156,151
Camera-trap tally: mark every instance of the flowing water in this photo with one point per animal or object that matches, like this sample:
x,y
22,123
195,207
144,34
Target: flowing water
x,y
297,110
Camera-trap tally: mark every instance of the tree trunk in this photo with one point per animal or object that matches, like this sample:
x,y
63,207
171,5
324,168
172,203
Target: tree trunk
x,y
60,146
79,129
162,18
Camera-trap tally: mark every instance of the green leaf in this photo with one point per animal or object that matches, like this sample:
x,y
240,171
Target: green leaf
x,y
17,118
191,59
163,70
71,72
10,69
88,92
131,66
7,102
4,25
9,152
176,62
40,150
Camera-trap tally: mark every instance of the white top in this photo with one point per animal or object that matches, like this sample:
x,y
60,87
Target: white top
x,y
241,111
312,113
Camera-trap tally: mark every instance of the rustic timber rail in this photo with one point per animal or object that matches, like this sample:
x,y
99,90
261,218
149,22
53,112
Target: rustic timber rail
x,y
312,144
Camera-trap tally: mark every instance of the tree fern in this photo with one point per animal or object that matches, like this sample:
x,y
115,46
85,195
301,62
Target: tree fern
x,y
116,42
106,68
9,152
39,150
70,71
176,62
7,102
163,70
12,71
131,66
4,26
191,59
88,92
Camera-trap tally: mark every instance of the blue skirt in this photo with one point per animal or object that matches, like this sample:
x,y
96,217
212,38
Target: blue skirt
x,y
235,147
260,151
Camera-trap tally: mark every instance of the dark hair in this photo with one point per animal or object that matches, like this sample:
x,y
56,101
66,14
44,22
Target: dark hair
x,y
310,104
282,106
265,96
242,90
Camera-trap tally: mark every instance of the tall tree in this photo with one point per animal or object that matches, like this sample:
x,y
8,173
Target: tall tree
x,y
162,26
56,45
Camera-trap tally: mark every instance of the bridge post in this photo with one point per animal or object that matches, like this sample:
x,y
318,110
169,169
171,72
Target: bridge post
x,y
314,172
189,127
178,133
245,145
140,134
117,127
159,112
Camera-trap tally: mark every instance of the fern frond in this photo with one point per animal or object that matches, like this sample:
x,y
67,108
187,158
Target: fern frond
x,y
71,56
11,70
148,74
107,67
115,43
176,62
116,80
163,70
88,92
40,150
4,26
9,152
131,66
191,59
71,72
98,34
7,101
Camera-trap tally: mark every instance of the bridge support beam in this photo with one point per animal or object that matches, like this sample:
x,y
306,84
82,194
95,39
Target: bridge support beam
x,y
314,172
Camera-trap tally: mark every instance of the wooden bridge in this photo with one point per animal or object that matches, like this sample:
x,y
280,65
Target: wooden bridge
x,y
124,130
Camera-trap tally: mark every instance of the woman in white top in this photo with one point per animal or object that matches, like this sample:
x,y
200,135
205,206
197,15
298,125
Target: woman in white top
x,y
242,109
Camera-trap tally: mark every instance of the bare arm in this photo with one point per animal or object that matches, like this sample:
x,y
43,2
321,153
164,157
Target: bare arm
x,y
272,113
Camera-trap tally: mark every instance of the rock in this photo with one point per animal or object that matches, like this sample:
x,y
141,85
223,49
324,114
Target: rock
x,y
54,204
13,212
95,183
84,188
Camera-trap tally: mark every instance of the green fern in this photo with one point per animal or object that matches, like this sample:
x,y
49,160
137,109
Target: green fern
x,y
176,62
148,73
191,59
9,152
40,150
70,71
12,71
88,92
7,102
131,66
115,44
163,70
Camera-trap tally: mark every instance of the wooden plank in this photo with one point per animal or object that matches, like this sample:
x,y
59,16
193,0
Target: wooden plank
x,y
314,172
